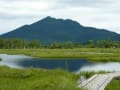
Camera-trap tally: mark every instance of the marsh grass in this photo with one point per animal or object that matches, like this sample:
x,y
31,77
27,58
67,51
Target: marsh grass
x,y
0,59
92,54
36,79
114,85
40,79
89,74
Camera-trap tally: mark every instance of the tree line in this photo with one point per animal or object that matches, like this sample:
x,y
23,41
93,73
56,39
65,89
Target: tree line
x,y
24,44
18,44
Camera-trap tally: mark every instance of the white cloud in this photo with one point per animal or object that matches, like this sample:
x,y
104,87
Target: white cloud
x,y
25,7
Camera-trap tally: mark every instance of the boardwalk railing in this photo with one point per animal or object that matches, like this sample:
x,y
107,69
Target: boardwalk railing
x,y
98,81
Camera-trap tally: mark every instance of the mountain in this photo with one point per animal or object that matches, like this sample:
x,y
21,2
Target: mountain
x,y
51,29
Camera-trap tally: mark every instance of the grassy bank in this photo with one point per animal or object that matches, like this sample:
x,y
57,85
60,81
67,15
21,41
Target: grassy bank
x,y
89,74
37,79
93,54
40,79
114,85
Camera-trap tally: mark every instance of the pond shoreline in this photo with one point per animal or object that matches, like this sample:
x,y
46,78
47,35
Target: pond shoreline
x,y
70,64
91,54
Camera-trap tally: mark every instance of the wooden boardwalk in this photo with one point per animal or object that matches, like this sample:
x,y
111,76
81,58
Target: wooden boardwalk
x,y
98,81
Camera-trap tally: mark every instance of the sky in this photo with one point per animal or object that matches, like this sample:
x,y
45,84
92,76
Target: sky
x,y
104,14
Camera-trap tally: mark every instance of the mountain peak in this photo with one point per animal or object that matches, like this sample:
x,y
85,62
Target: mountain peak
x,y
55,21
52,29
49,18
44,20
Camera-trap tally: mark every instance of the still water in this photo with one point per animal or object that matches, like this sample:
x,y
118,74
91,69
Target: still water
x,y
73,65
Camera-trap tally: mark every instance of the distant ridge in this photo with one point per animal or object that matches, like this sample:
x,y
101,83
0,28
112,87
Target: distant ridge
x,y
51,29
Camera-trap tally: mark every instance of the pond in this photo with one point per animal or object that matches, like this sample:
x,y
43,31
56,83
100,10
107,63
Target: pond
x,y
73,65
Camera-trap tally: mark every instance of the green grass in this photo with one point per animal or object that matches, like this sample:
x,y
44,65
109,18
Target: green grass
x,y
92,54
89,74
114,85
37,79
40,79
0,59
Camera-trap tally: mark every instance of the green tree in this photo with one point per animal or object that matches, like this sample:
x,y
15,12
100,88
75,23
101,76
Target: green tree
x,y
34,44
68,44
56,45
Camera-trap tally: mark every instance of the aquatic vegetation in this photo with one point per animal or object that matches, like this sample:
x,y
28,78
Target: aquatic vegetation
x,y
0,59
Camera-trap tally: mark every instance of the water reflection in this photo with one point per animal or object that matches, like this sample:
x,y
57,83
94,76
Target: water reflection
x,y
76,65
22,61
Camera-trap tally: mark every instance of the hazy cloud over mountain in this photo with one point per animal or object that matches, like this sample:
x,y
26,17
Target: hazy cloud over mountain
x,y
96,13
